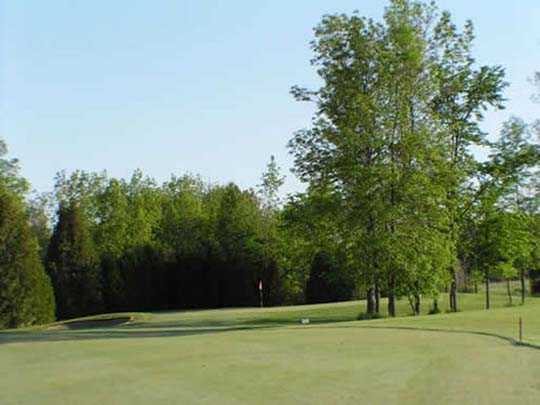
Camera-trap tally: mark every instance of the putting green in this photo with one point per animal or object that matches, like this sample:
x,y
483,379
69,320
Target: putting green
x,y
228,356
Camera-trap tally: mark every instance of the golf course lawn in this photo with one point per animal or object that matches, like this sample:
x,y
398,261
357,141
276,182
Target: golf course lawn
x,y
264,356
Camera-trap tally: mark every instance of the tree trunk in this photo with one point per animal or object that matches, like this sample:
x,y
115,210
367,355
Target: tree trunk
x,y
392,296
417,304
370,301
453,293
435,306
377,298
411,304
509,291
522,277
486,275
451,299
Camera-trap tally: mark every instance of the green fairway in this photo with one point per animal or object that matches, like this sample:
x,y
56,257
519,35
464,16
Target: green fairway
x,y
265,355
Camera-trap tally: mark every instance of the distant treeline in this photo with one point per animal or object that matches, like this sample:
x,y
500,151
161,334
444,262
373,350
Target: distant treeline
x,y
397,202
133,245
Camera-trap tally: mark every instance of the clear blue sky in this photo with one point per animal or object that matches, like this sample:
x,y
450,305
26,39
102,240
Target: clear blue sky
x,y
193,86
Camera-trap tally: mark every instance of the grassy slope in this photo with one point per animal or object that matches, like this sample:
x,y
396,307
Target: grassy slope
x,y
246,355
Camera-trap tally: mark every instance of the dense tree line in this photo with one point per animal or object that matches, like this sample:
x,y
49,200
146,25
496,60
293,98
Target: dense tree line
x,y
397,202
135,245
113,245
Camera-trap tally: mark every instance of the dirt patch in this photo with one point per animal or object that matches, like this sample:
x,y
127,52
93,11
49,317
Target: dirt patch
x,y
92,323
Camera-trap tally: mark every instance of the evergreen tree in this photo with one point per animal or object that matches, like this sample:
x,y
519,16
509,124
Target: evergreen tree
x,y
327,280
72,263
318,287
26,295
235,227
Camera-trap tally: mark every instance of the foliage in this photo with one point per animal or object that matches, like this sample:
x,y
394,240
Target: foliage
x,y
327,281
72,264
10,176
396,203
26,295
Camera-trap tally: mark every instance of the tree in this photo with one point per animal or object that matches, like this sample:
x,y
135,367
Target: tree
x,y
462,93
311,224
536,84
72,263
327,282
26,295
237,248
39,213
271,237
271,182
500,239
533,264
112,242
319,288
374,143
184,235
10,172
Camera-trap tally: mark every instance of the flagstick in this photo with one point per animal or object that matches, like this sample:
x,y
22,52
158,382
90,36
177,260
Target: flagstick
x,y
261,293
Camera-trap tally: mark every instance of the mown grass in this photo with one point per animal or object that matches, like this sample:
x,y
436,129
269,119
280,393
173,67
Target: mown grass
x,y
318,313
253,355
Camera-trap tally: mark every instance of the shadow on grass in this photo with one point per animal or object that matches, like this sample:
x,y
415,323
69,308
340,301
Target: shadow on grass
x,y
235,323
136,330
97,334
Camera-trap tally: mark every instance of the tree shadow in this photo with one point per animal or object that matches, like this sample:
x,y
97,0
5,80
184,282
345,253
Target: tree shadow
x,y
129,328
258,322
119,333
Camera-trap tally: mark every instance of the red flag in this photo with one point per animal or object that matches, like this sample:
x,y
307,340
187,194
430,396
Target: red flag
x,y
260,285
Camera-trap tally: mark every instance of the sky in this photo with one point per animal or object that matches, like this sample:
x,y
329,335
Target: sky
x,y
195,86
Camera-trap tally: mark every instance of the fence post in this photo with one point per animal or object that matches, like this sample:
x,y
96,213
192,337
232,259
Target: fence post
x,y
520,329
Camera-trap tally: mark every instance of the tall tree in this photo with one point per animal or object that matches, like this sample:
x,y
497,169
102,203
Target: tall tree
x,y
238,247
271,237
373,142
463,92
492,208
271,182
184,235
72,263
26,295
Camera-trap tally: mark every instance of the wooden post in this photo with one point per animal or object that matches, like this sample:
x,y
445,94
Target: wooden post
x,y
520,329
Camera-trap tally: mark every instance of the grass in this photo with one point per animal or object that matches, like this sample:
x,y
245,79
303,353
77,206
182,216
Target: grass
x,y
264,356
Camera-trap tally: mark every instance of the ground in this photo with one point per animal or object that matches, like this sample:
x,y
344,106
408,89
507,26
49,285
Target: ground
x,y
265,356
